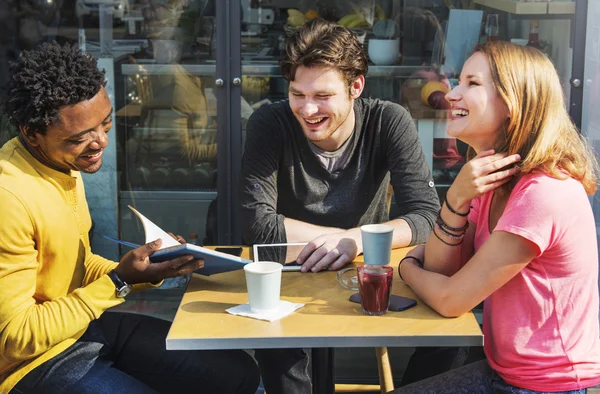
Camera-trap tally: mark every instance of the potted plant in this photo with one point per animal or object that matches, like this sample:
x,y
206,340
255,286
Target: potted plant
x,y
384,49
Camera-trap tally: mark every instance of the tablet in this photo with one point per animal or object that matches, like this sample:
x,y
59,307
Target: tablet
x,y
285,254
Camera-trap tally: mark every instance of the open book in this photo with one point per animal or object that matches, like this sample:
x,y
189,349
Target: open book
x,y
214,262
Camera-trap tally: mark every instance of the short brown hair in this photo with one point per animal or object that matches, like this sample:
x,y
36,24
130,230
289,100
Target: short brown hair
x,y
323,43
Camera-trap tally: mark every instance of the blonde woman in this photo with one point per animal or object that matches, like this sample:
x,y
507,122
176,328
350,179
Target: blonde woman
x,y
515,231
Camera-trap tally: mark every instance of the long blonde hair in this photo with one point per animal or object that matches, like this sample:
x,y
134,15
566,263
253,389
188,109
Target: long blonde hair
x,y
540,129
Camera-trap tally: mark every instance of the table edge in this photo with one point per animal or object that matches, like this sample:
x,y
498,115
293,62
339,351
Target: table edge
x,y
322,342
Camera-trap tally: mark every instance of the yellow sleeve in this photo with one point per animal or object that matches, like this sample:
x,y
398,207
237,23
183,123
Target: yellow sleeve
x,y
29,328
96,266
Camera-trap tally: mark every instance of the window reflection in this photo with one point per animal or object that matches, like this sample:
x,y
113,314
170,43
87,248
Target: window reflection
x,y
164,57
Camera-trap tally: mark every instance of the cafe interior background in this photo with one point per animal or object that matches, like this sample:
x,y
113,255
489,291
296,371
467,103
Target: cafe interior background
x,y
184,76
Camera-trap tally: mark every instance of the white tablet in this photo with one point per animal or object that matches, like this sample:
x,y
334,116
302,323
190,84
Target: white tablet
x,y
285,254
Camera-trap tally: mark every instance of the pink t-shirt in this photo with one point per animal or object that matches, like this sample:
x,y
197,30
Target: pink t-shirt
x,y
541,328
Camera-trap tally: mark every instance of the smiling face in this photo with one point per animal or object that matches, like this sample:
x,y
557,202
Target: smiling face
x,y
478,113
77,141
321,103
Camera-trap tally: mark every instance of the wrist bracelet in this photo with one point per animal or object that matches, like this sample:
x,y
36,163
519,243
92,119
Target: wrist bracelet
x,y
447,243
443,224
455,212
416,259
456,237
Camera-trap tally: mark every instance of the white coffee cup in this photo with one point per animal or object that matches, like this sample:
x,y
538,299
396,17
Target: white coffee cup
x,y
377,243
263,281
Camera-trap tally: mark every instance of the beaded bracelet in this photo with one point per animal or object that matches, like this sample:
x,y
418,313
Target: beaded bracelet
x,y
449,234
455,212
443,224
416,259
447,243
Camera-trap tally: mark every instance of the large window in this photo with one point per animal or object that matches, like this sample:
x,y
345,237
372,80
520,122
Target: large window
x,y
185,75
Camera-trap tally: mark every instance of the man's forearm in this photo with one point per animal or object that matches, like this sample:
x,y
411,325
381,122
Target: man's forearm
x,y
297,231
402,233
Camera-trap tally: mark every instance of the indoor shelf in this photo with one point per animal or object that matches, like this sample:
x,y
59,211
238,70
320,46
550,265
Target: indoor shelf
x,y
530,8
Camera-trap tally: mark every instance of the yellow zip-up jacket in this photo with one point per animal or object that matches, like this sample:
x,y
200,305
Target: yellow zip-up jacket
x,y
51,284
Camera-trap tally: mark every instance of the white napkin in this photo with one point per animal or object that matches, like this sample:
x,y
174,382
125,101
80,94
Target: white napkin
x,y
285,308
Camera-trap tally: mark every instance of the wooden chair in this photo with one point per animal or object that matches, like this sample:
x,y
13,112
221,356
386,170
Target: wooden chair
x,y
386,380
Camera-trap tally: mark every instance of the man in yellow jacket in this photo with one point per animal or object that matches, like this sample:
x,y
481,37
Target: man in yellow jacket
x,y
54,334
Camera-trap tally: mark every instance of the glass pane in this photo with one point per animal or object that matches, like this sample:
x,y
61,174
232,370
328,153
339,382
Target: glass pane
x,y
413,46
165,65
415,49
160,60
162,71
590,125
159,56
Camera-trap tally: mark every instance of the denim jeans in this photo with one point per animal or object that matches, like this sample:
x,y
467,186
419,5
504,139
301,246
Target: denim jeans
x,y
284,371
426,362
475,378
124,353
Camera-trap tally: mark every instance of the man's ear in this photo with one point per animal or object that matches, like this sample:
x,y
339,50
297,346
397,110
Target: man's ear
x,y
30,135
357,87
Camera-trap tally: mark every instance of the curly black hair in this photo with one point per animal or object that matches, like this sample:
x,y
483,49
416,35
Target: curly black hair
x,y
44,80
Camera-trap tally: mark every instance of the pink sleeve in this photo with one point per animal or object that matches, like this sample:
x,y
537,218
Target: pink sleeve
x,y
531,212
474,212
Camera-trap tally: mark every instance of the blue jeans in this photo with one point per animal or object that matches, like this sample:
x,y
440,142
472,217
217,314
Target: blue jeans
x,y
475,378
284,371
426,362
124,353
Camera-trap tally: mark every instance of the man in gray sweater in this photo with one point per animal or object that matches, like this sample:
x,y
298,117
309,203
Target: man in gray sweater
x,y
317,166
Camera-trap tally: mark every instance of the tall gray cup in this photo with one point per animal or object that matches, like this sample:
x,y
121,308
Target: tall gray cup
x,y
377,243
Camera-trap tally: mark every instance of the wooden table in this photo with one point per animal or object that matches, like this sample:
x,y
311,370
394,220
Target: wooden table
x,y
328,320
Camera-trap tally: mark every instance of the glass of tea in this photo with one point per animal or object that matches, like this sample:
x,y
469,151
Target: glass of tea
x,y
374,283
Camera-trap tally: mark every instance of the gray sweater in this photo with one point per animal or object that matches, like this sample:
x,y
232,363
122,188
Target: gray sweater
x,y
282,177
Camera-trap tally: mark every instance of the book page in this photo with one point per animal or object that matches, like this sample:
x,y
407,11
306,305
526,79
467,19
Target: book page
x,y
152,231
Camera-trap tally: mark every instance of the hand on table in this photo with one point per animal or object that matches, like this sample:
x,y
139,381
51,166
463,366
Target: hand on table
x,y
135,266
330,251
481,174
